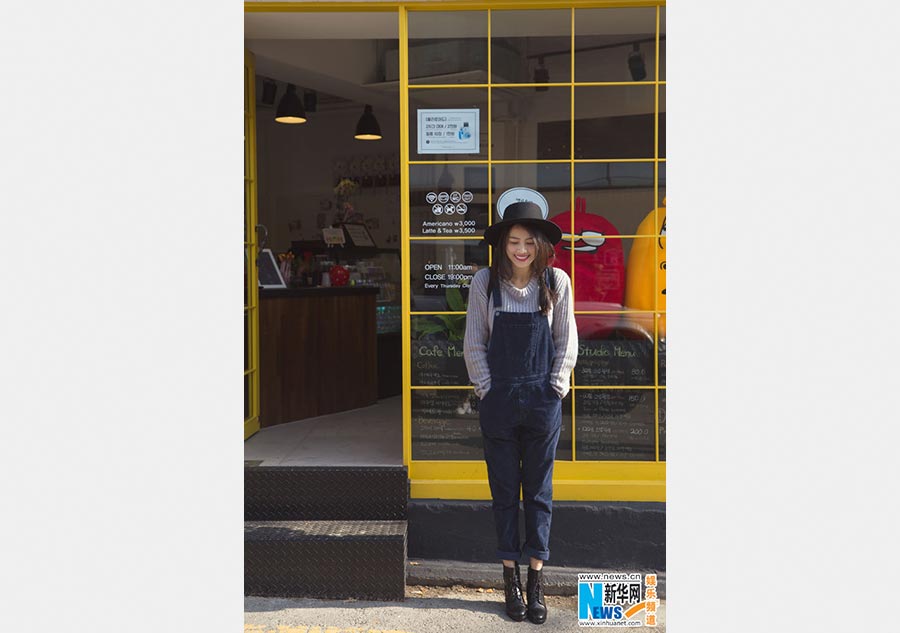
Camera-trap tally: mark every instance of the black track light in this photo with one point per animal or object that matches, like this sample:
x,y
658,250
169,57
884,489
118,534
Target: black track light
x,y
270,88
636,63
310,100
290,110
541,75
368,129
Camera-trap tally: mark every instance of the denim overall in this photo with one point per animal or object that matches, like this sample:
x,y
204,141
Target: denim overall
x,y
520,420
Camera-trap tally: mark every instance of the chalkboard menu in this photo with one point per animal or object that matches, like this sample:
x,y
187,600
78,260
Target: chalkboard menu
x,y
437,351
662,425
615,424
614,362
445,425
564,448
662,361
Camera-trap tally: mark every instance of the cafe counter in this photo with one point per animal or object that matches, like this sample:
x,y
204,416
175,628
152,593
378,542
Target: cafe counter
x,y
317,352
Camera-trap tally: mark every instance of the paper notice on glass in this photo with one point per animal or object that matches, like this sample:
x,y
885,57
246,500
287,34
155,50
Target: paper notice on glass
x,y
448,131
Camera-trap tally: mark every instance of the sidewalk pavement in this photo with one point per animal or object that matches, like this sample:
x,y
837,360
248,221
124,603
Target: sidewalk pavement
x,y
441,597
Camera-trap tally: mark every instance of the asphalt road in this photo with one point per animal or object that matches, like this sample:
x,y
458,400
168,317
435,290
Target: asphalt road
x,y
425,610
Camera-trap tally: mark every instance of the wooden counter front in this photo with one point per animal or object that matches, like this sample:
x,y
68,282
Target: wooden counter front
x,y
317,352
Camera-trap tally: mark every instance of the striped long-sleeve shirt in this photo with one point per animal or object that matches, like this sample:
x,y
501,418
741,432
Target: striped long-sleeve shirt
x,y
480,319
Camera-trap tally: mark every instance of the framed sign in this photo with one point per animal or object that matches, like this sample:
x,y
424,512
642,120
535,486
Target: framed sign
x,y
269,274
359,234
448,131
333,236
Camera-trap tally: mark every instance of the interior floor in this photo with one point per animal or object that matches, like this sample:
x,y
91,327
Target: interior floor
x,y
370,436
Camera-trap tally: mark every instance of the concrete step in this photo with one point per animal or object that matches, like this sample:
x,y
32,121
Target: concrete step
x,y
365,560
318,493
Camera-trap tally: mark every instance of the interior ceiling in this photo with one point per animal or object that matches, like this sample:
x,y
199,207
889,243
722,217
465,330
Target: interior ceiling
x,y
335,53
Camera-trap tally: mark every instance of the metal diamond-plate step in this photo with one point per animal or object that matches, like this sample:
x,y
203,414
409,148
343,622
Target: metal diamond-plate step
x,y
311,493
365,560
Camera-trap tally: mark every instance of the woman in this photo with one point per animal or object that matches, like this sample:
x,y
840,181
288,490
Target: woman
x,y
520,347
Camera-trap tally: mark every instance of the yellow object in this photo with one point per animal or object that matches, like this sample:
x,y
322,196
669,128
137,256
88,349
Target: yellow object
x,y
645,271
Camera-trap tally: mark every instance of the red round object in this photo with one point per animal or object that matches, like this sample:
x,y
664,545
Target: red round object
x,y
339,275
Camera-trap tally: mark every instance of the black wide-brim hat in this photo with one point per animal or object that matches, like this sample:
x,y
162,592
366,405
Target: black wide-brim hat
x,y
527,214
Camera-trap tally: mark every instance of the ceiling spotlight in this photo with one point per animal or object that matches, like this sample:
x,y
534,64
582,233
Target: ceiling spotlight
x,y
636,63
368,129
269,90
541,75
290,110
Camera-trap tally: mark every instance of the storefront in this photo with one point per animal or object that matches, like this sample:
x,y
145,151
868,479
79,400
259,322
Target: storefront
x,y
475,99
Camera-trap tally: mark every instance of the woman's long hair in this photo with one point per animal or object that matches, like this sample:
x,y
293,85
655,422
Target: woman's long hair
x,y
501,267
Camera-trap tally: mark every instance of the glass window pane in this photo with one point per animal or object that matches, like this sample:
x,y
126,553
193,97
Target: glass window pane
x,y
612,198
564,447
552,181
662,43
448,47
614,122
662,353
441,272
520,115
448,200
601,263
612,352
445,425
437,350
662,121
661,196
615,424
525,41
662,425
615,44
453,133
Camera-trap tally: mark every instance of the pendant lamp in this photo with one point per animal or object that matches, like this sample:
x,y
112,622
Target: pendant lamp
x,y
290,110
368,129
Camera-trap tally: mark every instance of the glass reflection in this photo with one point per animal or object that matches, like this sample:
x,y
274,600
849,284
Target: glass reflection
x,y
552,181
445,425
614,122
525,44
530,124
662,121
448,47
615,424
618,194
615,44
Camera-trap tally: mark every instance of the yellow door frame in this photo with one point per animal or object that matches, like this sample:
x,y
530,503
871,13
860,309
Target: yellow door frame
x,y
251,292
573,480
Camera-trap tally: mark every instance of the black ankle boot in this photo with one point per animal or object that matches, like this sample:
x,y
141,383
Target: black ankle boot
x,y
537,609
512,586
